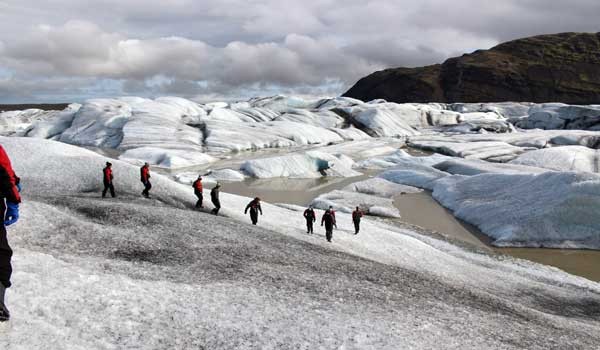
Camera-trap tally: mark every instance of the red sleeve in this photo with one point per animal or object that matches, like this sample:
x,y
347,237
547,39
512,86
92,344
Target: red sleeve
x,y
8,179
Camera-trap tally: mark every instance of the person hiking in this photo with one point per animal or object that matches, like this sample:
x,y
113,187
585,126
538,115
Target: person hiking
x,y
356,215
329,220
214,198
145,178
309,215
9,204
107,178
254,207
198,191
332,211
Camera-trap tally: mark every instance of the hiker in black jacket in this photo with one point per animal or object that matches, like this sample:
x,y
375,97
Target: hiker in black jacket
x,y
309,215
254,207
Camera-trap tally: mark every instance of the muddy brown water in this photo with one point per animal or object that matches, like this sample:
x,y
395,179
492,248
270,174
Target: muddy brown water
x,y
422,210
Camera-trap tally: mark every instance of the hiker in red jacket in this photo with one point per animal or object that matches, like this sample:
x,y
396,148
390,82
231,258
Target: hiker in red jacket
x,y
108,180
145,178
9,205
197,185
254,207
356,215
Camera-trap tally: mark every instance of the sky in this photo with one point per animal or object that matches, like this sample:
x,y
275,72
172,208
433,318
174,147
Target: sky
x,y
207,50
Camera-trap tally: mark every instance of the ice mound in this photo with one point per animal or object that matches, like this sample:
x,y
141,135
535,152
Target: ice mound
x,y
385,120
481,126
17,122
560,116
167,158
564,158
232,137
460,166
346,202
417,175
487,150
311,164
552,209
400,157
380,187
211,176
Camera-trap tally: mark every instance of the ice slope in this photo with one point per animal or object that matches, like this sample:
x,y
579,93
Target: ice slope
x,y
312,164
565,158
137,273
551,209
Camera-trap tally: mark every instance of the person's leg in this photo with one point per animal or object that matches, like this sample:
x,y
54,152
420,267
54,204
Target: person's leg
x,y
308,226
112,190
5,271
253,217
105,189
356,226
328,235
201,200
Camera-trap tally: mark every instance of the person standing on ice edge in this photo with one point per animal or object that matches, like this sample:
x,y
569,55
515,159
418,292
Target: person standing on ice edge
x,y
254,207
198,191
9,203
309,215
329,220
145,178
356,215
108,180
214,198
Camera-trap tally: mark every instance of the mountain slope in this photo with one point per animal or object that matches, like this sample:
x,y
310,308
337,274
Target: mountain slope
x,y
547,68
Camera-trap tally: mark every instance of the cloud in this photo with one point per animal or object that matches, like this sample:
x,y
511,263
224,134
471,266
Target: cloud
x,y
220,47
65,51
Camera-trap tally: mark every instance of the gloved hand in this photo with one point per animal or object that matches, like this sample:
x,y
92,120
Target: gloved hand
x,y
12,213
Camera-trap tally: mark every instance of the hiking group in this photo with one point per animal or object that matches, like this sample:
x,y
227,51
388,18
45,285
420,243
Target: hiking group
x,y
10,189
328,219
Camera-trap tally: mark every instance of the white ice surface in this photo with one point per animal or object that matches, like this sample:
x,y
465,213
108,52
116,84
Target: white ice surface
x,y
312,164
551,209
380,187
347,201
564,158
166,158
66,295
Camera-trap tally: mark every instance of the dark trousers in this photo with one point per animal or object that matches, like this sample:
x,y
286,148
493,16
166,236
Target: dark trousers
x,y
217,204
356,226
147,187
254,216
329,232
200,198
108,186
309,226
5,255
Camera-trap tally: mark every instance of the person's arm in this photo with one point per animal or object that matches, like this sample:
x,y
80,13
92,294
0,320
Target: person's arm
x,y
247,207
322,219
8,179
260,209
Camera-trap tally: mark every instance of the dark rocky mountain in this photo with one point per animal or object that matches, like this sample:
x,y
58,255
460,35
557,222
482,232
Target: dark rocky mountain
x,y
546,68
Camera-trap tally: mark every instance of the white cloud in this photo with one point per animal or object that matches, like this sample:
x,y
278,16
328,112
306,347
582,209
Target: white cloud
x,y
271,45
